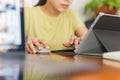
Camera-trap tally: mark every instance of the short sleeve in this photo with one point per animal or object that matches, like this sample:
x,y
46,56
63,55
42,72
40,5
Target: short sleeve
x,y
76,21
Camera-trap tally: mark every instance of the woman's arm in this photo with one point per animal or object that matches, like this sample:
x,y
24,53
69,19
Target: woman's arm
x,y
81,32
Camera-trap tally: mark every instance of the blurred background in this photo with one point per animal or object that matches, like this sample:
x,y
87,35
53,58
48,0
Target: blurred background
x,y
10,34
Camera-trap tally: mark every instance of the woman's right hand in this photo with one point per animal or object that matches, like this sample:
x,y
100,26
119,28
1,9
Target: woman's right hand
x,y
35,42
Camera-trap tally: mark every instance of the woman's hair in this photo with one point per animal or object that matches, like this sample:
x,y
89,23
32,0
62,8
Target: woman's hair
x,y
41,3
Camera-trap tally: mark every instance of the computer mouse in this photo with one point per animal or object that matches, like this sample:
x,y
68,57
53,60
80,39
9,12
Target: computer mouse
x,y
44,50
115,55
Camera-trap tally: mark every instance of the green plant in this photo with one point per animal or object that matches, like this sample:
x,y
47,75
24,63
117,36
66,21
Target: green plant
x,y
113,3
94,4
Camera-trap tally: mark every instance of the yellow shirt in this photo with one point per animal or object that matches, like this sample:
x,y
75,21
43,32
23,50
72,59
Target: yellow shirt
x,y
54,30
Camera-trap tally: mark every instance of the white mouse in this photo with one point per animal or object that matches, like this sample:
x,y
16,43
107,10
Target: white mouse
x,y
44,50
112,55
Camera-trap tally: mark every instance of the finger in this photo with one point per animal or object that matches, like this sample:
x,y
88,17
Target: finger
x,y
79,40
67,44
28,49
70,43
37,44
72,39
31,46
44,44
76,43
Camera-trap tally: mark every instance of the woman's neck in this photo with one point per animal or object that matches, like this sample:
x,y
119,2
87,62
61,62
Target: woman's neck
x,y
50,10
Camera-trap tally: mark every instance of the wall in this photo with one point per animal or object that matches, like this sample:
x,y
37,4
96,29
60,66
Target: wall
x,y
78,7
30,3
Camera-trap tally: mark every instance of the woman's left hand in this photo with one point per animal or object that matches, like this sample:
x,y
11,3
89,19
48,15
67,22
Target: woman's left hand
x,y
74,41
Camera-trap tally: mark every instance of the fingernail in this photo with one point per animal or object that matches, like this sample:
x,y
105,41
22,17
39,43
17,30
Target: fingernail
x,y
40,48
75,37
35,52
71,42
47,47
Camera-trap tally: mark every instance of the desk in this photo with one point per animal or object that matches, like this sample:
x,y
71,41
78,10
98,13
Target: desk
x,y
109,70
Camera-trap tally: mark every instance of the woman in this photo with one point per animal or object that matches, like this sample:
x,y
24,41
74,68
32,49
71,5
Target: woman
x,y
52,25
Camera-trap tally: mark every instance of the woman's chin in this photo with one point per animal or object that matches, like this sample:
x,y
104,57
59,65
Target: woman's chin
x,y
62,10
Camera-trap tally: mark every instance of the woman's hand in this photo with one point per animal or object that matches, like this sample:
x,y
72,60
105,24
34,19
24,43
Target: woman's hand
x,y
74,41
35,42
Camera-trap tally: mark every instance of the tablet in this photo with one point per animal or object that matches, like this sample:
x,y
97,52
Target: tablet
x,y
103,35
